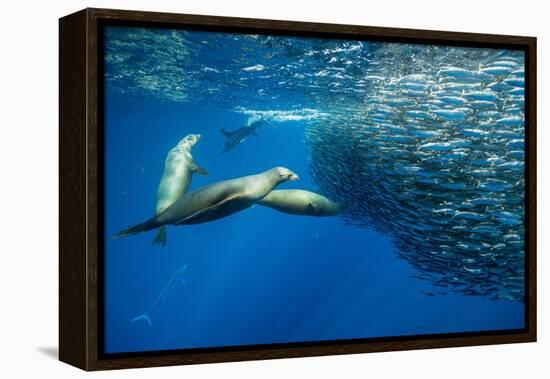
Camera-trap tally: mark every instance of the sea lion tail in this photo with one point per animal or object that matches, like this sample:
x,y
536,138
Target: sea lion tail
x,y
144,226
160,237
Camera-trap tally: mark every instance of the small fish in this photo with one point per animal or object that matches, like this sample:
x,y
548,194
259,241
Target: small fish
x,y
516,143
497,70
515,165
458,114
469,216
254,68
488,95
510,121
515,82
454,100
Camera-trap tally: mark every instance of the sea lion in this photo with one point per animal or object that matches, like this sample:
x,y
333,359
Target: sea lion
x,y
215,201
300,202
179,167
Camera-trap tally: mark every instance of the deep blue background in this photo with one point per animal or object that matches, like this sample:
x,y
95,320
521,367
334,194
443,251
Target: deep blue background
x,y
259,276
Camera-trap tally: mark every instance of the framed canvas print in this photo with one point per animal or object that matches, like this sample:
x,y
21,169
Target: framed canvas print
x,y
236,189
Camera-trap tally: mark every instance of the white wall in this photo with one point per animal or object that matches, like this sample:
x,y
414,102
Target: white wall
x,y
28,201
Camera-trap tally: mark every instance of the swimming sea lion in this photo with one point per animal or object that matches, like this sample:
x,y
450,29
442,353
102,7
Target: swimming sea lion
x,y
179,167
300,202
215,201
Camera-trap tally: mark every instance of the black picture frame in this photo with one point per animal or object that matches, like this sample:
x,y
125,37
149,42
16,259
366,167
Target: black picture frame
x,y
81,186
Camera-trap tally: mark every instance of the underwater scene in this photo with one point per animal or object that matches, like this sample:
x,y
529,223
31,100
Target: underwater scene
x,y
266,189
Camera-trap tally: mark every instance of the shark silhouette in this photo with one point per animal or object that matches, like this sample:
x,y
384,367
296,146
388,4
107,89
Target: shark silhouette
x,y
236,137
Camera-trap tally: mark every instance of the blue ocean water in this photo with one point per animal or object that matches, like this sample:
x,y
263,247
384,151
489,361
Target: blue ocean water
x,y
259,276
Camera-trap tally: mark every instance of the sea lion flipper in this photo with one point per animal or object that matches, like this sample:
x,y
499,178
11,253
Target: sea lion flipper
x,y
160,237
313,208
206,210
197,214
198,169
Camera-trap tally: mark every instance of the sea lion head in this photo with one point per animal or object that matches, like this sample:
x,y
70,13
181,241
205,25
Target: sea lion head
x,y
189,141
283,174
331,208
